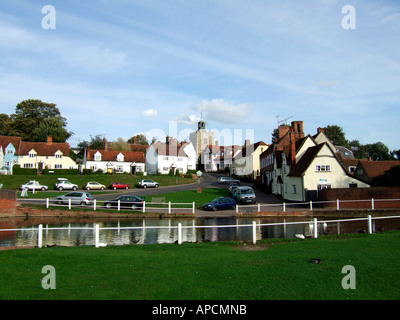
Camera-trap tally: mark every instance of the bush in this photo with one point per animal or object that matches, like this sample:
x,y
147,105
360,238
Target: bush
x,y
17,170
60,171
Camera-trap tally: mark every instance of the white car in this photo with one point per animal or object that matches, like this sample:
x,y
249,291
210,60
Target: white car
x,y
93,185
33,185
64,184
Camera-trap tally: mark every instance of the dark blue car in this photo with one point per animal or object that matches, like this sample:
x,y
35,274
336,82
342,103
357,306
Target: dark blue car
x,y
221,204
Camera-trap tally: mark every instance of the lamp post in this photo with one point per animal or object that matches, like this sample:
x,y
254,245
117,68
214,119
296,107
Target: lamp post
x,y
199,174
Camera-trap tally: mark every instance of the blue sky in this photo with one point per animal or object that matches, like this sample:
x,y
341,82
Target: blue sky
x,y
122,67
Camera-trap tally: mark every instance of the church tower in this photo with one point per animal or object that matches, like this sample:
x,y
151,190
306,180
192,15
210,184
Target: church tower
x,y
201,138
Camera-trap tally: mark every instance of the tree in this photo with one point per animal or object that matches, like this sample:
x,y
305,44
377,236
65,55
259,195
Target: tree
x,y
377,151
140,139
96,142
120,145
359,150
31,114
51,127
336,135
4,124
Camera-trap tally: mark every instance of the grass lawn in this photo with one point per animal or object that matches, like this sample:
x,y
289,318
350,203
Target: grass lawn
x,y
15,181
272,269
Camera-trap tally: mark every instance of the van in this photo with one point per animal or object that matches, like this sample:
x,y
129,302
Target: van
x,y
245,195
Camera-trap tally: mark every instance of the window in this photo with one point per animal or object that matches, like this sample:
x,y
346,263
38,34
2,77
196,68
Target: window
x,y
294,188
93,167
322,168
165,158
58,156
285,187
28,165
32,155
58,166
324,186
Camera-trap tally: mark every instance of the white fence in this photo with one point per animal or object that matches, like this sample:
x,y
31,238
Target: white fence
x,y
254,225
168,207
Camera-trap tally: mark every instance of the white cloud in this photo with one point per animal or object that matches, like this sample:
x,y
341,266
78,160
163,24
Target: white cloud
x,y
150,113
222,111
188,119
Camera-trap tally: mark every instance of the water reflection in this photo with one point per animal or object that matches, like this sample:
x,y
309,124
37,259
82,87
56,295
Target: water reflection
x,y
150,231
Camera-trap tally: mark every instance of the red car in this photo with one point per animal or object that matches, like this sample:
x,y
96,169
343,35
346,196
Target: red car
x,y
119,185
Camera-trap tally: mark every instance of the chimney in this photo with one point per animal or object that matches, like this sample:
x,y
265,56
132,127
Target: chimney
x,y
49,139
319,130
105,144
282,130
135,140
167,139
247,143
297,126
292,149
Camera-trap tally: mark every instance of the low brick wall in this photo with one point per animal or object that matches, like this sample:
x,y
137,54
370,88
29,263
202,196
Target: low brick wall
x,y
381,196
8,201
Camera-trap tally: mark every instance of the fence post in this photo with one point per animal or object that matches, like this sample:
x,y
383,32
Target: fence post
x,y
169,206
315,228
94,205
193,208
144,206
40,235
258,207
47,203
284,207
310,205
237,208
369,224
337,205
96,236
372,204
254,233
179,233
69,204
119,205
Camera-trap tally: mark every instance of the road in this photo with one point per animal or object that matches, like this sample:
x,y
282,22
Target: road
x,y
208,180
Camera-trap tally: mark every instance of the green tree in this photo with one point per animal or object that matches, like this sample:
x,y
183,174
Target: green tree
x,y
51,127
4,124
96,142
359,150
120,145
336,135
378,151
140,139
30,114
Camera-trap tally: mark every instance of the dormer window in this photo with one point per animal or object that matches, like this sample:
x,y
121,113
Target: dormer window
x,y
120,157
32,154
97,156
58,155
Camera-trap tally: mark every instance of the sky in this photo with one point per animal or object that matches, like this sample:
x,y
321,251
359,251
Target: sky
x,y
117,68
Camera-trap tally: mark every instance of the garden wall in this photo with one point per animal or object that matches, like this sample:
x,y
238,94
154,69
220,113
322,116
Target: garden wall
x,y
8,201
381,196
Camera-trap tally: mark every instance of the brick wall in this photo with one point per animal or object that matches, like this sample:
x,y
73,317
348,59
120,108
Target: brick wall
x,y
377,193
8,201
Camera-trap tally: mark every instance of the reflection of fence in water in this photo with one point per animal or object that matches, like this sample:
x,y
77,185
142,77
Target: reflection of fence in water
x,y
147,231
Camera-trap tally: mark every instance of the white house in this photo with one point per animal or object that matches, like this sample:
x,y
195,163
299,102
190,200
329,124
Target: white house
x,y
114,161
216,157
247,161
171,155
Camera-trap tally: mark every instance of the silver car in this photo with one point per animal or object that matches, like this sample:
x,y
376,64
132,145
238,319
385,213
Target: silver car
x,y
245,195
82,198
145,183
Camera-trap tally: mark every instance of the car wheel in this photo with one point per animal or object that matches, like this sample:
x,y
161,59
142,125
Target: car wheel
x,y
156,185
83,203
233,207
214,208
88,188
59,201
43,189
115,188
102,188
134,207
60,188
74,188
127,188
108,205
145,186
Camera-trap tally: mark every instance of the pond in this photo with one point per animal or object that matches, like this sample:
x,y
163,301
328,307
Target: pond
x,y
79,232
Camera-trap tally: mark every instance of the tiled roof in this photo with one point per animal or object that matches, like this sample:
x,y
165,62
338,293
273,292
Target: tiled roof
x,y
6,140
111,155
305,161
44,148
377,168
171,149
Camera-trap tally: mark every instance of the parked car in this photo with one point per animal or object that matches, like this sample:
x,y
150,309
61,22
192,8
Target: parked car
x,y
64,184
245,195
220,204
232,188
145,183
226,180
82,198
131,202
33,185
118,185
94,186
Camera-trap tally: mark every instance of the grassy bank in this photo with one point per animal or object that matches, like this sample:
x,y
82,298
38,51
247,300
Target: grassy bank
x,y
272,269
15,181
